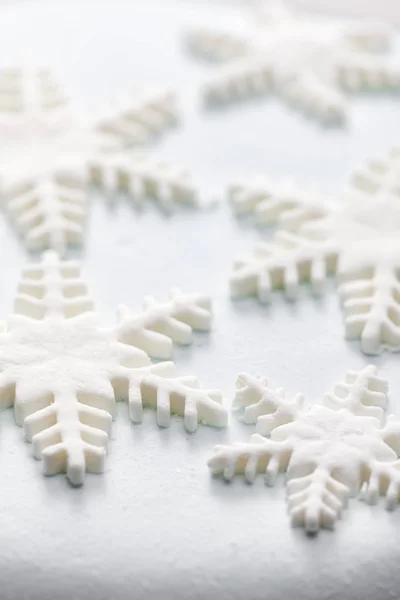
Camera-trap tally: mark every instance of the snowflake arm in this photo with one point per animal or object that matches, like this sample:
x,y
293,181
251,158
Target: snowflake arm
x,y
316,500
137,120
315,97
370,279
371,305
237,81
253,76
159,325
357,71
363,393
141,175
268,408
159,387
215,46
383,479
283,203
48,213
260,455
70,437
283,264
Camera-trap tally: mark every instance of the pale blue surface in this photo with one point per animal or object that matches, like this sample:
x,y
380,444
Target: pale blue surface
x,y
155,525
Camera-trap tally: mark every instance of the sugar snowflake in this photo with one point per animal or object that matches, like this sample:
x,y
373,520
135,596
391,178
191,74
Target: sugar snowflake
x,y
330,451
47,144
62,370
298,60
356,238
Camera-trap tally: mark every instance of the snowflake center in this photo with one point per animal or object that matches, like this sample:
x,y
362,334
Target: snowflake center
x,y
53,341
334,426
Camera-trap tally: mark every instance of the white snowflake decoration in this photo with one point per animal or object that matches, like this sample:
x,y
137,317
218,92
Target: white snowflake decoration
x,y
62,370
298,60
356,238
37,155
329,451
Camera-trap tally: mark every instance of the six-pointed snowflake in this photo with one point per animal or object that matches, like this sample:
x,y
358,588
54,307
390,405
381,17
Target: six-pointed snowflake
x,y
357,238
329,451
62,370
298,60
47,145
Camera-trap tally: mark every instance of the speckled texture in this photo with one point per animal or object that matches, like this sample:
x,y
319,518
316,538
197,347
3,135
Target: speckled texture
x,y
155,525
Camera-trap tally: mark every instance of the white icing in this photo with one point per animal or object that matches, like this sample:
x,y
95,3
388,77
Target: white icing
x,y
62,370
330,451
296,60
357,239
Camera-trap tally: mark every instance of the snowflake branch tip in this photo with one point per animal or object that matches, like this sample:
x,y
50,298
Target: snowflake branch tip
x,y
248,459
160,324
141,175
282,264
268,408
136,120
158,387
363,393
52,288
48,214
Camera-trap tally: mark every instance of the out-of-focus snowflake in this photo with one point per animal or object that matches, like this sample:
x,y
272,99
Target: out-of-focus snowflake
x,y
46,144
297,59
357,239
